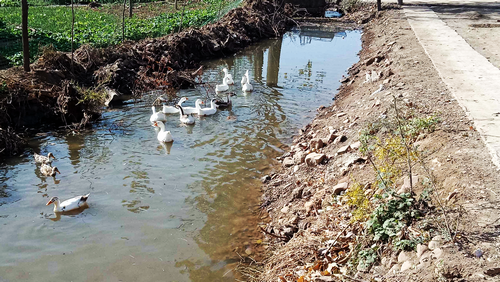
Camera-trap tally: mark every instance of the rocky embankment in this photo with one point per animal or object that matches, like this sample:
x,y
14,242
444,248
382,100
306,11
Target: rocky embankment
x,y
389,183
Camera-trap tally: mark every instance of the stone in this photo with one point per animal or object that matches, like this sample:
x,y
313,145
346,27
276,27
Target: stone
x,y
339,139
297,193
436,253
316,143
403,256
355,145
406,265
248,251
314,159
406,187
337,189
285,209
309,205
494,271
426,257
434,244
421,249
343,150
299,157
394,269
265,179
370,61
478,253
288,161
341,114
385,262
296,168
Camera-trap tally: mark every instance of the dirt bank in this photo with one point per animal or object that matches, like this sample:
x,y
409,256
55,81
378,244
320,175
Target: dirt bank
x,y
341,202
57,92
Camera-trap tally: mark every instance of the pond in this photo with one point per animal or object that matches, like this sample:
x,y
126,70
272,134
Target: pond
x,y
168,213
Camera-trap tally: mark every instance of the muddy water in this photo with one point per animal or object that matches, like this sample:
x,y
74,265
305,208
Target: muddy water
x,y
167,213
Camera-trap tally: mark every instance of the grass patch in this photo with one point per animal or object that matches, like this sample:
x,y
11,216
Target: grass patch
x,y
100,27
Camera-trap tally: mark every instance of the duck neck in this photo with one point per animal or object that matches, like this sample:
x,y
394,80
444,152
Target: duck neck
x,y
198,104
162,126
57,205
181,111
154,109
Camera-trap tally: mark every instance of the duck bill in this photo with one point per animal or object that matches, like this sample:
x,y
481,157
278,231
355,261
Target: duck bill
x,y
49,202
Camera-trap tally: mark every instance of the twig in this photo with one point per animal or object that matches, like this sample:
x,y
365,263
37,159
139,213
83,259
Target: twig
x,y
353,279
408,156
336,238
433,183
268,233
378,172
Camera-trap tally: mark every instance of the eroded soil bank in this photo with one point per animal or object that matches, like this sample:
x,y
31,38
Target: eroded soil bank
x,y
57,92
341,203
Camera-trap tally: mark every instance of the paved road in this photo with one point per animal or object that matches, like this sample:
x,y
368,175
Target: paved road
x,y
471,78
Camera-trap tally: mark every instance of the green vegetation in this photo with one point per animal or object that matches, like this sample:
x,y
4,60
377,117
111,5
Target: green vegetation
x,y
100,27
389,146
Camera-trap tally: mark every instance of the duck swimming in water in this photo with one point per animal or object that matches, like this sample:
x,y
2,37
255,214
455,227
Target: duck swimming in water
x,y
68,205
43,159
48,170
186,119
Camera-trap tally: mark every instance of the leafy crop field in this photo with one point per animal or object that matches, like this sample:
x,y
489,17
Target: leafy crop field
x,y
100,27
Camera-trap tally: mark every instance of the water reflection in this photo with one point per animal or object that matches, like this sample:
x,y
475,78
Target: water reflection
x,y
184,210
57,215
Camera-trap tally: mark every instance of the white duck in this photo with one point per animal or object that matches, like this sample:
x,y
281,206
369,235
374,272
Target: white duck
x,y
187,119
173,109
68,205
157,116
163,136
44,159
247,87
244,78
47,170
208,111
222,87
228,76
193,110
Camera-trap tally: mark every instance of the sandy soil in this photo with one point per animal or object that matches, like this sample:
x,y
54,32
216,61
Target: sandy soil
x,y
305,214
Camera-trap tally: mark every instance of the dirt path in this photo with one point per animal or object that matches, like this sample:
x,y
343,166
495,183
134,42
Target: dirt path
x,y
472,79
309,210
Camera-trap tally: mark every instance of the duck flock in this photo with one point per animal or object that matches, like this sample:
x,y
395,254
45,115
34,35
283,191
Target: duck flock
x,y
46,169
158,120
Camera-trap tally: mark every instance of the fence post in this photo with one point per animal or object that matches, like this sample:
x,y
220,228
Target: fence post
x,y
26,44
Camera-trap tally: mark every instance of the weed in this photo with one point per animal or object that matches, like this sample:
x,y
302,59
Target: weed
x,y
356,198
91,95
367,257
389,217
